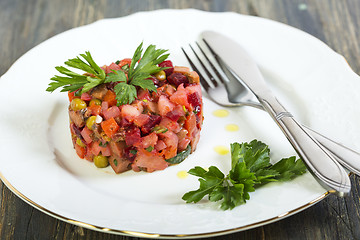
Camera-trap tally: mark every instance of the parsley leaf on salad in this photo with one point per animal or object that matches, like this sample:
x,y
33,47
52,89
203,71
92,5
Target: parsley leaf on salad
x,y
138,74
250,168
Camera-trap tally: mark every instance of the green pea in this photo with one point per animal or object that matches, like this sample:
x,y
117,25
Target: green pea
x,y
161,75
90,122
101,161
77,104
94,102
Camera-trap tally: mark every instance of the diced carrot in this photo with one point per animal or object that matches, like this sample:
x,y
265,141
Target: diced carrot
x,y
110,97
110,127
71,96
182,70
124,62
81,151
95,109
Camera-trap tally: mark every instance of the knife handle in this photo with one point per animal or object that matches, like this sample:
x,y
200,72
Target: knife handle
x,y
319,161
347,157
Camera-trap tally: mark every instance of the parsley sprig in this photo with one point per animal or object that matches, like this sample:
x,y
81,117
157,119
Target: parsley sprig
x,y
250,168
140,70
74,81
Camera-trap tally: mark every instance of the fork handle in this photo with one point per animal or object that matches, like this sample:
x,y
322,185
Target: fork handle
x,y
347,157
319,161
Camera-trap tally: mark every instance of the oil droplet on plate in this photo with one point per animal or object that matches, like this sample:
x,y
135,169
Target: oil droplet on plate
x,y
232,127
222,150
182,174
221,113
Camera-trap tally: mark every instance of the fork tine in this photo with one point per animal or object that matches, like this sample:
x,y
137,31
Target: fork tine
x,y
199,61
205,64
211,58
203,81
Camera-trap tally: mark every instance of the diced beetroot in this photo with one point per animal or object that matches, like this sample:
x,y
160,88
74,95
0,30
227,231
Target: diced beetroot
x,y
86,134
165,105
149,140
170,124
112,112
129,112
149,160
132,136
175,114
180,97
194,88
155,80
130,153
167,63
86,96
124,123
195,100
177,78
152,122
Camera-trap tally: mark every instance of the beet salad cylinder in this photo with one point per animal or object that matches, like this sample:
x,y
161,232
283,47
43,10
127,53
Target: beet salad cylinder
x,y
142,113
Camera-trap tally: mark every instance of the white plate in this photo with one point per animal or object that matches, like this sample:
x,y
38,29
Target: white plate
x,y
39,164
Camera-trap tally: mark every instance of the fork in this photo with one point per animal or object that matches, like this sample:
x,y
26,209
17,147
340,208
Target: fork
x,y
224,88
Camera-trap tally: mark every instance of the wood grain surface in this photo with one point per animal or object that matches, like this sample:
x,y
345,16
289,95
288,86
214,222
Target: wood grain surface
x,y
25,24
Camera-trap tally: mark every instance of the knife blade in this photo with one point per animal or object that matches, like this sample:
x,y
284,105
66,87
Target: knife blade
x,y
326,170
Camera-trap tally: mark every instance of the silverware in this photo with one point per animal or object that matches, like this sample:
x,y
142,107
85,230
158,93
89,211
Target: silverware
x,y
224,88
319,160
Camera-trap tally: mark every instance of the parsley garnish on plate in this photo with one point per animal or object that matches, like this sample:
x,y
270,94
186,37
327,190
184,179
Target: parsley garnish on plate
x,y
136,75
250,168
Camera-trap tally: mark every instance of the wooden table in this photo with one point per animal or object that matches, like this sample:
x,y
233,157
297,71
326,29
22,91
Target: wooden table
x,y
24,24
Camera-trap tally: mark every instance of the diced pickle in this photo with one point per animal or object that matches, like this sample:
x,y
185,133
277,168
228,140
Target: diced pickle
x,y
181,156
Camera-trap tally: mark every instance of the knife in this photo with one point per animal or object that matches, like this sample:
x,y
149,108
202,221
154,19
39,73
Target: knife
x,y
326,170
